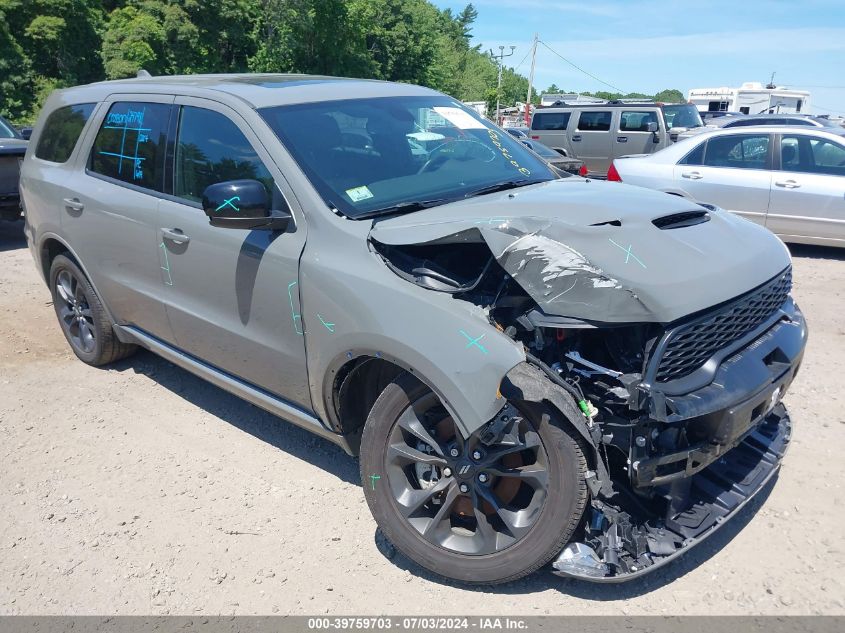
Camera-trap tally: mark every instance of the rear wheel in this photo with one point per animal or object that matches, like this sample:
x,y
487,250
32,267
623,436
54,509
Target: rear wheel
x,y
81,315
470,511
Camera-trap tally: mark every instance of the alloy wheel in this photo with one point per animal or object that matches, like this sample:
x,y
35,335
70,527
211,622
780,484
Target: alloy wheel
x,y
462,494
75,312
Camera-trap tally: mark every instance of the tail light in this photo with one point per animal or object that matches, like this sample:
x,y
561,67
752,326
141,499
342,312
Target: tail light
x,y
613,175
582,171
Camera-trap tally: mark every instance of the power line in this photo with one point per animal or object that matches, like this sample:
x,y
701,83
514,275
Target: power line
x,y
836,111
575,66
523,60
802,85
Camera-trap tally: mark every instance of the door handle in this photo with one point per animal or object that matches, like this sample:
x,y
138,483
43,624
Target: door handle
x,y
73,204
787,184
692,175
175,235
576,138
621,139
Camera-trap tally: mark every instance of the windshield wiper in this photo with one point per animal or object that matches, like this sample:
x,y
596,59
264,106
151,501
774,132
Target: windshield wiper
x,y
501,186
403,207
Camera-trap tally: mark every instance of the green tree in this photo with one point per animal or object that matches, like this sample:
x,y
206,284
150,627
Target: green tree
x,y
16,80
670,95
45,44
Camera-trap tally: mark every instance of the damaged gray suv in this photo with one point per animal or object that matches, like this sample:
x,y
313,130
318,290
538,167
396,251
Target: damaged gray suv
x,y
532,368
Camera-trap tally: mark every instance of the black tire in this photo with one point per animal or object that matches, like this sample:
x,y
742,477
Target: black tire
x,y
83,319
565,498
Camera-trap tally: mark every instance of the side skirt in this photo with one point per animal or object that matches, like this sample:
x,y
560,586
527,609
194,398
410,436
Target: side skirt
x,y
232,384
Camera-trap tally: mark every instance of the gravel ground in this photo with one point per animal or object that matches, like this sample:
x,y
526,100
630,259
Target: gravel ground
x,y
140,489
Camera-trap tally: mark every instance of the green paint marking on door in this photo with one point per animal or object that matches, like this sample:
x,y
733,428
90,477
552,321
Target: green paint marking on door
x,y
297,318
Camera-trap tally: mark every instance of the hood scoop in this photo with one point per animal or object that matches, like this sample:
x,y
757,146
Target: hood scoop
x,y
680,220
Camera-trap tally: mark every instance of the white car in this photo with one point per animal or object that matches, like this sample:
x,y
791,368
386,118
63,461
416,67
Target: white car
x,y
789,179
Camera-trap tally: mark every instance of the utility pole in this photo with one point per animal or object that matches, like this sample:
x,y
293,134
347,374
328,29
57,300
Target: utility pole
x,y
501,56
531,81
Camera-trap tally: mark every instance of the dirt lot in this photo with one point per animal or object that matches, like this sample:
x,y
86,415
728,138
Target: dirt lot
x,y
141,489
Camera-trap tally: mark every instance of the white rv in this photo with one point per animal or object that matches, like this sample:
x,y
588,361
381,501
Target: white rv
x,y
751,98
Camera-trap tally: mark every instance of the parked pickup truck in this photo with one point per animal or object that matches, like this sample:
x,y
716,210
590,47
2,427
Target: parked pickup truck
x,y
12,150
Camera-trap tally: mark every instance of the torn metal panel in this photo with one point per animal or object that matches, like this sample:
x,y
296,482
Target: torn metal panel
x,y
589,252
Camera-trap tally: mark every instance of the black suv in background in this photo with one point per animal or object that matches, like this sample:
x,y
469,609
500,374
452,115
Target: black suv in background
x,y
12,150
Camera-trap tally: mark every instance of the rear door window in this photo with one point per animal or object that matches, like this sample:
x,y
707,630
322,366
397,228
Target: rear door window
x,y
550,120
828,157
636,121
593,121
740,151
695,157
131,144
61,132
800,153
211,149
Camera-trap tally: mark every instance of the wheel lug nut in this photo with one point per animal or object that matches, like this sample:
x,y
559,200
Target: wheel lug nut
x,y
447,472
476,454
454,452
463,488
483,478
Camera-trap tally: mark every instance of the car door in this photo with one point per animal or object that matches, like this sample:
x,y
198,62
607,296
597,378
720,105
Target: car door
x,y
232,295
109,213
550,129
731,171
633,136
808,188
591,139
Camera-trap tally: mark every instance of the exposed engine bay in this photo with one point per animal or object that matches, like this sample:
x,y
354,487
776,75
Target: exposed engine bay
x,y
681,420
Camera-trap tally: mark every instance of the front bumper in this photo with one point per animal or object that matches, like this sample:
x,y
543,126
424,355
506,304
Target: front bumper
x,y
717,493
744,388
680,493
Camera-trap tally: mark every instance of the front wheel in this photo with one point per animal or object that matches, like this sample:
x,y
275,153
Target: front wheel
x,y
468,510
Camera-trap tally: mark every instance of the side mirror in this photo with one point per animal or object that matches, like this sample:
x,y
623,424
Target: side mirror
x,y
241,204
651,126
26,133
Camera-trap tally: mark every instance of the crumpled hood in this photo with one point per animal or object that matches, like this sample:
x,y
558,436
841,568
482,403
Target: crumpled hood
x,y
590,250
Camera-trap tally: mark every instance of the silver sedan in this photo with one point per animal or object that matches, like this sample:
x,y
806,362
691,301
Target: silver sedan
x,y
789,179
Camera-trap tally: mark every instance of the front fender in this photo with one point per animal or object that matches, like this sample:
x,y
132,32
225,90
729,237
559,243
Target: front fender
x,y
364,309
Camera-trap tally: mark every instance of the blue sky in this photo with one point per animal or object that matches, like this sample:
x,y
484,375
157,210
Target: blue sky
x,y
648,45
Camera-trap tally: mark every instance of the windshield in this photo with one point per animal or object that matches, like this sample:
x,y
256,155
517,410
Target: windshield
x,y
682,115
385,155
6,130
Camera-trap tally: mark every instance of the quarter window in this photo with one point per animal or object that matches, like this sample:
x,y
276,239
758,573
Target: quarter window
x,y
636,121
130,145
211,149
740,151
61,131
550,120
594,121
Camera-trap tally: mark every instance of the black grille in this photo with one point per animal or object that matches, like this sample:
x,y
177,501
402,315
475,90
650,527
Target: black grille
x,y
693,345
